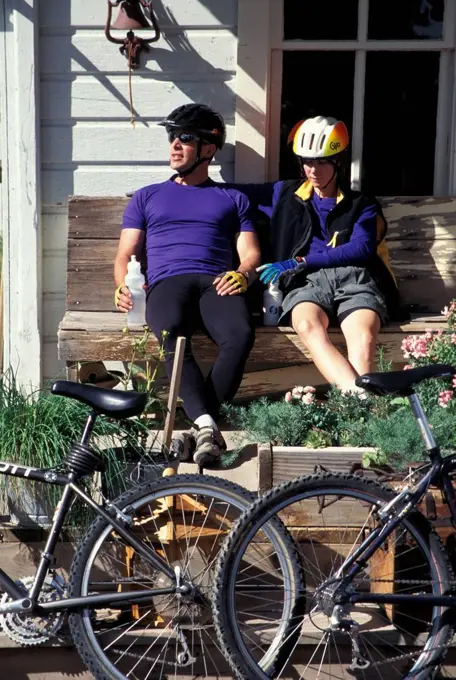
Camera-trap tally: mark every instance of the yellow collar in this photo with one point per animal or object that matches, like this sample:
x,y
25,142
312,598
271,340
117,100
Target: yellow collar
x,y
305,191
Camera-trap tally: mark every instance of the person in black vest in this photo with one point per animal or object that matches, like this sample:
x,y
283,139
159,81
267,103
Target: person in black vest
x,y
330,251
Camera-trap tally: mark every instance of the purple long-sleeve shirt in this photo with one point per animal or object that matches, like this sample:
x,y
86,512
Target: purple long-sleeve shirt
x,y
321,255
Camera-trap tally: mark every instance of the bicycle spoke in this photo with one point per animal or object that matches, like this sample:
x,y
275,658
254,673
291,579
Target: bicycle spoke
x,y
330,517
169,634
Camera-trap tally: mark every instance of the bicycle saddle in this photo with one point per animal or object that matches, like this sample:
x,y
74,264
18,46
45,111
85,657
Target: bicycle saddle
x,y
402,382
112,403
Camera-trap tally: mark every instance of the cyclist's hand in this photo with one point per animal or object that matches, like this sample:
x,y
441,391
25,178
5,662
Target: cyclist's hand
x,y
122,299
271,272
230,283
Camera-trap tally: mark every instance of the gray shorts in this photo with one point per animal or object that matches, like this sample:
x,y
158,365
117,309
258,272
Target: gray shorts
x,y
339,291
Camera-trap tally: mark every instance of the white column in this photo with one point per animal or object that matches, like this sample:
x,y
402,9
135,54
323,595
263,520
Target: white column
x,y
257,27
20,206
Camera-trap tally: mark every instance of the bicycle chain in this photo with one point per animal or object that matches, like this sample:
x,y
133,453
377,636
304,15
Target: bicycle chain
x,y
372,665
414,582
411,582
148,658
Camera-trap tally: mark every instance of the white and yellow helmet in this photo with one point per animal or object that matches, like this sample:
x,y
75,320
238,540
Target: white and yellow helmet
x,y
319,137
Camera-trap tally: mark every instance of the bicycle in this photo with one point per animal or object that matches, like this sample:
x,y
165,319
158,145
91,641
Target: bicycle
x,y
377,584
137,595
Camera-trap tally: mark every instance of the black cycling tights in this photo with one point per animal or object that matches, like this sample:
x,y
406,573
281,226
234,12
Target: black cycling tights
x,y
185,303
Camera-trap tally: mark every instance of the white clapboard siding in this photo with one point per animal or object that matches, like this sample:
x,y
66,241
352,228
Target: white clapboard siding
x,y
194,13
108,99
195,52
90,142
60,181
88,145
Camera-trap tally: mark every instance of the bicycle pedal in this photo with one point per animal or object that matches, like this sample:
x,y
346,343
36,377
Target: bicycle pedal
x,y
182,447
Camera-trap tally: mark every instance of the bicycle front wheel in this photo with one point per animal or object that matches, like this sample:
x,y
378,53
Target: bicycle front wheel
x,y
329,516
184,519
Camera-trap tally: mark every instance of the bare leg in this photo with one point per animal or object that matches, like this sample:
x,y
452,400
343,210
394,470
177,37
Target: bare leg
x,y
311,323
360,330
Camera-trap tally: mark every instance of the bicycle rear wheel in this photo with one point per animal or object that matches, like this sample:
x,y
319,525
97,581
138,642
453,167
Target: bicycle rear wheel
x,y
329,516
184,518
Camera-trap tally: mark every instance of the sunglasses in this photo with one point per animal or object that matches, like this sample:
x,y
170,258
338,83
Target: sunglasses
x,y
183,137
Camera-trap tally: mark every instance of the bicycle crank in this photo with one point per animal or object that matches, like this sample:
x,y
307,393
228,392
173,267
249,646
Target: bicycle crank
x,y
32,629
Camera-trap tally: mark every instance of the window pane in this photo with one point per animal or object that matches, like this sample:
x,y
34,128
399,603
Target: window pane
x,y
303,97
406,19
400,110
317,20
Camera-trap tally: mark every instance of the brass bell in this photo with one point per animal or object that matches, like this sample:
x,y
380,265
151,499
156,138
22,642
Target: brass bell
x,y
130,17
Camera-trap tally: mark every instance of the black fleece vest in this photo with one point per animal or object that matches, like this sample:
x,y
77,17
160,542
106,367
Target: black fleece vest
x,y
291,230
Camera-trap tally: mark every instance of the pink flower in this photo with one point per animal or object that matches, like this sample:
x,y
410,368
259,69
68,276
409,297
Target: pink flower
x,y
308,389
297,391
454,381
416,346
445,397
307,398
288,397
407,367
448,310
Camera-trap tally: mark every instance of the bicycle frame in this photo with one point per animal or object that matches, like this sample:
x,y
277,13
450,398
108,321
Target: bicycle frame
x,y
404,503
118,520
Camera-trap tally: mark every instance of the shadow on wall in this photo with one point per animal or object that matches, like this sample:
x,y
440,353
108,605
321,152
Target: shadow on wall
x,y
180,64
19,6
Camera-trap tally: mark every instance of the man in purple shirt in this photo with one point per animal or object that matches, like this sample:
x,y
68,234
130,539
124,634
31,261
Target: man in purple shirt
x,y
202,253
330,251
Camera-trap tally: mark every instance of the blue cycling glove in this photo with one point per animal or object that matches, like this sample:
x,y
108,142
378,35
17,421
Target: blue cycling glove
x,y
270,273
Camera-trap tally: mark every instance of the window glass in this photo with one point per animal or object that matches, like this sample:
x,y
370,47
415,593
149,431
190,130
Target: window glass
x,y
314,83
400,111
320,20
406,19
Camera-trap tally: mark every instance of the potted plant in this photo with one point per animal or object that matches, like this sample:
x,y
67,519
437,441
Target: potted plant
x,y
345,431
36,430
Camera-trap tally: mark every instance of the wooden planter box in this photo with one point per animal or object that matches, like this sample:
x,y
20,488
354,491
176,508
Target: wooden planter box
x,y
277,464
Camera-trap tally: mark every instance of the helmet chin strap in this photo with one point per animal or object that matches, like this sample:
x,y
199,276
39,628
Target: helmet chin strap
x,y
335,166
332,176
186,172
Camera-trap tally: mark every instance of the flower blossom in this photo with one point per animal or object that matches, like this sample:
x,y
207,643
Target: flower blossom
x,y
288,397
416,346
448,310
445,397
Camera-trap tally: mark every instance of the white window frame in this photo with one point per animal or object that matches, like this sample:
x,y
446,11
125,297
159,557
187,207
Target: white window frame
x,y
260,52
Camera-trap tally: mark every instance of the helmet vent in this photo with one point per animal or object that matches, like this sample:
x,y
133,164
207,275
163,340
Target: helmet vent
x,y
302,140
322,142
312,141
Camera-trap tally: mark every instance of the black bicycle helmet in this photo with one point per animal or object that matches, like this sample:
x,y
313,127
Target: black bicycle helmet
x,y
198,118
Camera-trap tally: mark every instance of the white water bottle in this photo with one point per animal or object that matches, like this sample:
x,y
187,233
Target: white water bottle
x,y
135,282
272,303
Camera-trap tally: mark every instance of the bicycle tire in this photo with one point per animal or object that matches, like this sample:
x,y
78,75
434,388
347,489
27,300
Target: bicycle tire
x,y
81,623
311,488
